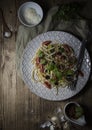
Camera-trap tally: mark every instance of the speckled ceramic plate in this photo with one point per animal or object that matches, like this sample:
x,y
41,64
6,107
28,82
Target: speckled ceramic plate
x,y
27,66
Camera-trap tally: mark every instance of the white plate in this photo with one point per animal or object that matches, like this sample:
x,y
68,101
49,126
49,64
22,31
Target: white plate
x,y
27,66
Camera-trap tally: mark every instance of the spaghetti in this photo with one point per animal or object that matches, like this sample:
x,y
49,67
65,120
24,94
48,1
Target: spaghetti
x,y
54,64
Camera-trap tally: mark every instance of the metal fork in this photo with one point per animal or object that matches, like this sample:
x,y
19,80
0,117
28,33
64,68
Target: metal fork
x,y
73,84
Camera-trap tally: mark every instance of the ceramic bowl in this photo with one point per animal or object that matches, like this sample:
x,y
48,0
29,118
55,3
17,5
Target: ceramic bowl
x,y
22,16
79,121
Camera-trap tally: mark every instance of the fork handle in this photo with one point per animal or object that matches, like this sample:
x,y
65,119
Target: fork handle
x,y
79,63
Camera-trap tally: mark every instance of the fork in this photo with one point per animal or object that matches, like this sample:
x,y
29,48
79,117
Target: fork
x,y
73,84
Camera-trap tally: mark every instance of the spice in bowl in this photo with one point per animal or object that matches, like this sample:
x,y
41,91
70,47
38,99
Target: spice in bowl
x,y
31,16
74,111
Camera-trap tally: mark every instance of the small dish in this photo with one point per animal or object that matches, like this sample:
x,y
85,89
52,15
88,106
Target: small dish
x,y
74,113
30,14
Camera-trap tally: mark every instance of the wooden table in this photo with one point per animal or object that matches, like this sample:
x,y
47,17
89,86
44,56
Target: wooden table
x,y
20,109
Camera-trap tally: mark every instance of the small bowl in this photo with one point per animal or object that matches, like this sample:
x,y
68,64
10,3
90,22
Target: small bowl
x,y
80,120
23,14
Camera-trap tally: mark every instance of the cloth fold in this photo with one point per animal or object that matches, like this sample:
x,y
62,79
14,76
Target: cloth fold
x,y
77,27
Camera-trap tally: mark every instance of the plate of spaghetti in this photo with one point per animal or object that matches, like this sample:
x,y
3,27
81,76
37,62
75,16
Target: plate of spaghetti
x,y
48,62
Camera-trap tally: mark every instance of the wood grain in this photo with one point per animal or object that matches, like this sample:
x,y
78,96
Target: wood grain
x,y
8,69
20,109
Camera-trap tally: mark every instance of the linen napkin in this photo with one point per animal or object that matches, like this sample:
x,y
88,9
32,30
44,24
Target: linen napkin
x,y
78,27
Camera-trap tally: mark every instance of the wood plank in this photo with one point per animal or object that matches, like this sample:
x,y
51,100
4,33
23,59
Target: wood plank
x,y
27,103
8,70
1,95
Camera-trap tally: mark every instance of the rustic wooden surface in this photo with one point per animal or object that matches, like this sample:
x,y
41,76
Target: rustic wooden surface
x,y
19,108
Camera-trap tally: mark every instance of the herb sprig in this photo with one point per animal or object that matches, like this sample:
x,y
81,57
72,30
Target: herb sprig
x,y
68,11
